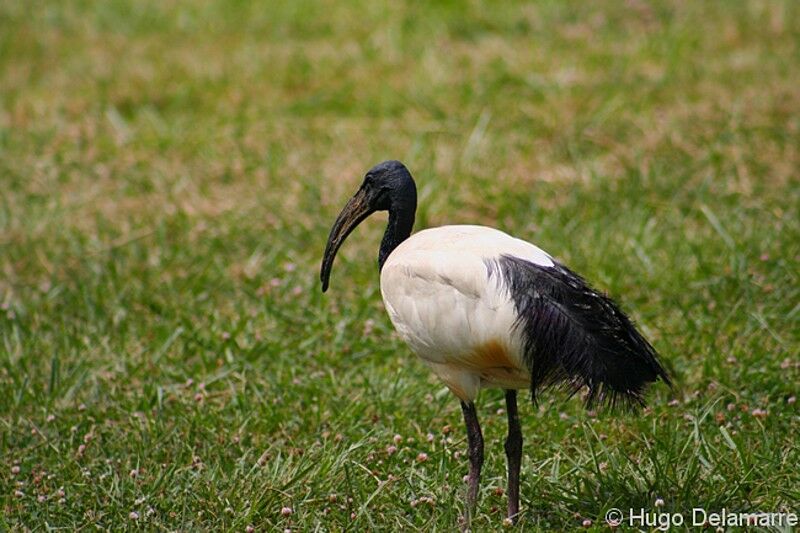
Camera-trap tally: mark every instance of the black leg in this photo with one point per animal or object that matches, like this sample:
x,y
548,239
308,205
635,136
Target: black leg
x,y
475,440
513,454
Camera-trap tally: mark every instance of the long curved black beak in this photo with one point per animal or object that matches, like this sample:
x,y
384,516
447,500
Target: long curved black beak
x,y
356,210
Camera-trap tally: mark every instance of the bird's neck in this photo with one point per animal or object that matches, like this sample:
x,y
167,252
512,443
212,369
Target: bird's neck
x,y
401,222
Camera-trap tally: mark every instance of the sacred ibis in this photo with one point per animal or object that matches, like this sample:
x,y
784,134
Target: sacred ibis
x,y
484,309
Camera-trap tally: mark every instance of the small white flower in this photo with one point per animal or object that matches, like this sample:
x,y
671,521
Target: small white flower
x,y
369,325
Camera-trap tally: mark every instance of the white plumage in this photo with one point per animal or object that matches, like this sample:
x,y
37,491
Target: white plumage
x,y
435,289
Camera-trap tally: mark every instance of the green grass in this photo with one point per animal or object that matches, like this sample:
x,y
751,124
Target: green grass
x,y
168,175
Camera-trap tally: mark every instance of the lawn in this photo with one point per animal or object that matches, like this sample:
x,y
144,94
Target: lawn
x,y
169,172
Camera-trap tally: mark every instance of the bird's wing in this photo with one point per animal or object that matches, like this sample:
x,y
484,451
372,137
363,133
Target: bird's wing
x,y
454,290
444,305
441,298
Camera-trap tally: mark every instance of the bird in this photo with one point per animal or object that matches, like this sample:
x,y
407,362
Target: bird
x,y
484,309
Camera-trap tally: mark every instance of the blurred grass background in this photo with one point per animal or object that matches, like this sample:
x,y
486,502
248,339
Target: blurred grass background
x,y
168,175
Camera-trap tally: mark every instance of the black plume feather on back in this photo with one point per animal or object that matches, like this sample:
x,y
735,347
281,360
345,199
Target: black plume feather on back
x,y
575,336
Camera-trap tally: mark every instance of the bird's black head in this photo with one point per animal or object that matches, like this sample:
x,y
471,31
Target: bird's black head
x,y
387,186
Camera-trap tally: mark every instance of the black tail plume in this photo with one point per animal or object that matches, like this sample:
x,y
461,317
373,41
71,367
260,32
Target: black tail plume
x,y
575,336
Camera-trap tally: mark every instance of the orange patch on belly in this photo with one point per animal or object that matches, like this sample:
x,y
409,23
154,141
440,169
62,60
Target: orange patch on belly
x,y
492,354
496,368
